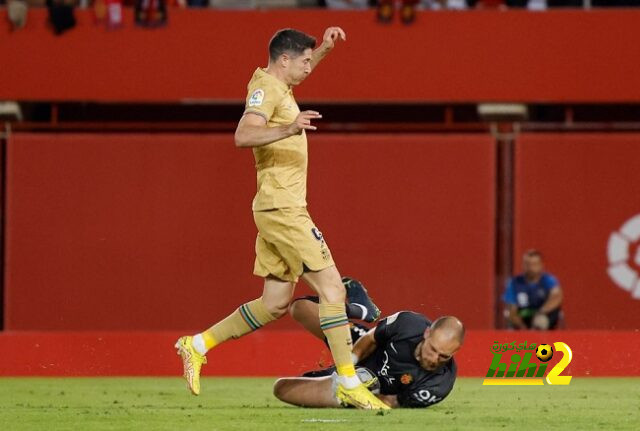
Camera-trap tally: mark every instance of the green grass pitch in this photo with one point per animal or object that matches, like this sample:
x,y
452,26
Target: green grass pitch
x,y
247,404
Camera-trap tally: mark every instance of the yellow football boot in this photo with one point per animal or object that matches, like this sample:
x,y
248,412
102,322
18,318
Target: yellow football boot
x,y
192,362
360,397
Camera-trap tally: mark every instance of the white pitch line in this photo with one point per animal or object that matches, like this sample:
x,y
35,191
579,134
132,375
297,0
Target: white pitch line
x,y
324,420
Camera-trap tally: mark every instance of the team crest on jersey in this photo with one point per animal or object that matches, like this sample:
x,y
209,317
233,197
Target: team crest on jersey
x,y
256,98
406,379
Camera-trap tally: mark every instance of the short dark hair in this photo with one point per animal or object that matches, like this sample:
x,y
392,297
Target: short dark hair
x,y
532,252
290,41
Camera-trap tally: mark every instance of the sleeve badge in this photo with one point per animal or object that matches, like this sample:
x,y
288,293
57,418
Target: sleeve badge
x,y
256,98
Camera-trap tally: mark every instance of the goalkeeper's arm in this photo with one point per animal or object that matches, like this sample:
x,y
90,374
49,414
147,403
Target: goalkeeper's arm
x,y
364,346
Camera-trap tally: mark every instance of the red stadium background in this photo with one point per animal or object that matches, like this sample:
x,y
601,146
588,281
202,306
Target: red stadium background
x,y
109,234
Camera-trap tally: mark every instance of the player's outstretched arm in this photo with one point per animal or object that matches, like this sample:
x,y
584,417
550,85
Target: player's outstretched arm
x,y
331,35
252,130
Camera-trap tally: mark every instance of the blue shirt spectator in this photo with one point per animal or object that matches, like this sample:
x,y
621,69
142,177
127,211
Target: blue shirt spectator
x,y
529,294
533,298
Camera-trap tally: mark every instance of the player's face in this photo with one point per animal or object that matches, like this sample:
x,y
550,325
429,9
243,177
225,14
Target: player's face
x,y
532,266
436,350
299,67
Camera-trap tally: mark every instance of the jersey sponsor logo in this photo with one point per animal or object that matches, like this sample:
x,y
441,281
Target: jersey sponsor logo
x,y
523,299
406,379
384,371
256,97
624,266
424,396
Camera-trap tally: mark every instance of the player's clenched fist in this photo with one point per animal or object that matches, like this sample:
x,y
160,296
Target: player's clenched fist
x,y
303,122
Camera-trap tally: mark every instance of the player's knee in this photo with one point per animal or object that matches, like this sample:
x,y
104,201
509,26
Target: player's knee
x,y
276,307
333,292
278,388
300,308
294,310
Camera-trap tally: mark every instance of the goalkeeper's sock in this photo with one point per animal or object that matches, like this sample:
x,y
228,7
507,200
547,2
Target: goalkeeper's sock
x,y
335,325
247,318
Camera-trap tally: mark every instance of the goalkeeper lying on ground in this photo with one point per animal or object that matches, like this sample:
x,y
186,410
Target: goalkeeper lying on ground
x,y
406,359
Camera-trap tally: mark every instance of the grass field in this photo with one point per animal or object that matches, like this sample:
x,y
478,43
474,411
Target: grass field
x,y
247,404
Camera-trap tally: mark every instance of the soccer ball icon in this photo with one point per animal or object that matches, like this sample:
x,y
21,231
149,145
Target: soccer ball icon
x,y
544,352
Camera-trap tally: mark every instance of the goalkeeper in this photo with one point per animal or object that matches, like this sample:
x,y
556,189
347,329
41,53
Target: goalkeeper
x,y
407,360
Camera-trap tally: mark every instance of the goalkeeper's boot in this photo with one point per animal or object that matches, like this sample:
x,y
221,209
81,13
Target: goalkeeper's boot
x,y
192,362
360,397
357,295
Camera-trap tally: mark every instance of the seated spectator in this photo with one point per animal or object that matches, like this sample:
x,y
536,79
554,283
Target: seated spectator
x,y
533,298
347,4
443,4
529,4
486,4
615,3
17,13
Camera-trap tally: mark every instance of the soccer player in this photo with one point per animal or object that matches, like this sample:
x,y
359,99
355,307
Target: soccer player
x,y
406,357
289,246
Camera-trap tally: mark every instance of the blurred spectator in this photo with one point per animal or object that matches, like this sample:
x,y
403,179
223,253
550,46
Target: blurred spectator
x,y
150,13
543,4
252,4
487,4
529,4
347,4
443,4
61,15
231,4
17,13
533,298
615,3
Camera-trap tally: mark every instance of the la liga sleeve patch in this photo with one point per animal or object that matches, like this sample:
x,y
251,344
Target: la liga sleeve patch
x,y
256,97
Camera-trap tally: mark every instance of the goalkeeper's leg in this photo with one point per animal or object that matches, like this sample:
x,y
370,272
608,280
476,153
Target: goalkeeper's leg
x,y
307,391
318,391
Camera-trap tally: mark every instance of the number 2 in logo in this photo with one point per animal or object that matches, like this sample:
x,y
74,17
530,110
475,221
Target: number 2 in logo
x,y
554,377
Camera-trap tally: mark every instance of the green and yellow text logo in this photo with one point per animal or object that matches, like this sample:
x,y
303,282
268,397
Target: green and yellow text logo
x,y
526,364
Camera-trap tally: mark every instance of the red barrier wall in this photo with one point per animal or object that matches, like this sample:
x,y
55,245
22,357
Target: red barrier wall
x,y
264,353
572,192
569,55
122,232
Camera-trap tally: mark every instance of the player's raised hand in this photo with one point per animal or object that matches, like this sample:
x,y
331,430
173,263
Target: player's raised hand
x,y
303,122
331,35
